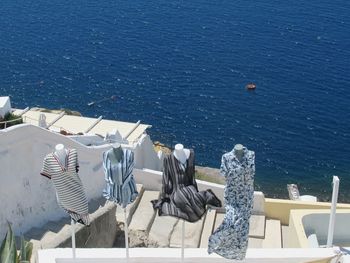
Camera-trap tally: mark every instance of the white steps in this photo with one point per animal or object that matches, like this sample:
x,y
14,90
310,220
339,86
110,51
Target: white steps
x,y
161,231
254,242
207,228
146,228
273,234
131,208
257,226
142,220
193,233
285,231
218,220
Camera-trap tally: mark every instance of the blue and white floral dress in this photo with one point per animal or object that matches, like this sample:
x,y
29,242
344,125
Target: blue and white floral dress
x,y
230,239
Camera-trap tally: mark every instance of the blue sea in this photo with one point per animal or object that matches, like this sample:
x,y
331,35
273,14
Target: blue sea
x,y
182,67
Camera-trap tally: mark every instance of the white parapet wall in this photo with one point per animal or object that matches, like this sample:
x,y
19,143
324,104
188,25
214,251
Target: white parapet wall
x,y
152,180
27,198
161,255
145,154
5,106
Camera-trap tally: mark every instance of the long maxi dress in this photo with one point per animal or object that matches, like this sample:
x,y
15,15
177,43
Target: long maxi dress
x,y
120,182
230,239
69,188
180,196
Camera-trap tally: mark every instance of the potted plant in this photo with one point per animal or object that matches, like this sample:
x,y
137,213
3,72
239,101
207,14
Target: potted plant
x,y
8,250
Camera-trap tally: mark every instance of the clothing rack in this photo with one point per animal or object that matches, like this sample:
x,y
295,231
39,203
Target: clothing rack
x,y
126,233
183,242
73,237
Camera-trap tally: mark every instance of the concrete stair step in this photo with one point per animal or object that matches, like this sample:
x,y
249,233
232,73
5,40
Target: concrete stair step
x,y
49,235
95,204
193,233
142,220
161,231
36,246
257,226
207,228
35,233
56,226
255,242
285,231
66,227
218,220
131,208
256,229
273,234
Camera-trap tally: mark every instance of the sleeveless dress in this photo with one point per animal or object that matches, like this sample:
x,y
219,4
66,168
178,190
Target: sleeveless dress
x,y
120,182
230,239
69,188
180,196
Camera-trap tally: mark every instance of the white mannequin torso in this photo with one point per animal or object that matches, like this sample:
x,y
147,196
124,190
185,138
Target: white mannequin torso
x,y
116,153
239,151
61,153
181,154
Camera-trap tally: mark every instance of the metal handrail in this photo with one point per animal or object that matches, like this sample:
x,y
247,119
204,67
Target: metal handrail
x,y
93,125
137,124
14,120
59,127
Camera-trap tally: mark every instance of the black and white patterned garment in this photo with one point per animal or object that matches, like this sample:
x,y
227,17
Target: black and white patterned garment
x,y
69,189
230,239
180,196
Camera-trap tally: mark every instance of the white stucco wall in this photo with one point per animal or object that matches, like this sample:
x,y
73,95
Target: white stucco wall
x,y
5,106
200,255
145,154
27,198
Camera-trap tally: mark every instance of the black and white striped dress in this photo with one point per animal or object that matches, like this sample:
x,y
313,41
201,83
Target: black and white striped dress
x,y
69,188
180,196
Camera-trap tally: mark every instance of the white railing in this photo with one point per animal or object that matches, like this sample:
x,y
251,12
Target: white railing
x,y
6,122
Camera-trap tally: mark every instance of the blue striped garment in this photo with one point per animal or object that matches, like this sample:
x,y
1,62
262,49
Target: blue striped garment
x,y
121,186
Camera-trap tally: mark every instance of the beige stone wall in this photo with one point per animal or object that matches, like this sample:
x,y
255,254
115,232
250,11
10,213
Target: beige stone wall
x,y
280,208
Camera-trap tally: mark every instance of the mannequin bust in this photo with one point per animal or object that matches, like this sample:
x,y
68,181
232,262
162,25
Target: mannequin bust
x,y
61,153
180,153
42,121
116,153
239,151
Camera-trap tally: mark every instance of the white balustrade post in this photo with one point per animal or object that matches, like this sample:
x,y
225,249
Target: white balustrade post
x,y
73,238
183,242
333,211
126,235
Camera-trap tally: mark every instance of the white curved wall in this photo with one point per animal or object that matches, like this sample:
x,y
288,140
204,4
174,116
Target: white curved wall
x,y
145,155
317,223
27,198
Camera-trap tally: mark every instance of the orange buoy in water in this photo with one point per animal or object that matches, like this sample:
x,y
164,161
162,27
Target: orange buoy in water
x,y
250,86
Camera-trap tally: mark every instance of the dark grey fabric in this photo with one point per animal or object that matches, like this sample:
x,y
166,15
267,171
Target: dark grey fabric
x,y
180,196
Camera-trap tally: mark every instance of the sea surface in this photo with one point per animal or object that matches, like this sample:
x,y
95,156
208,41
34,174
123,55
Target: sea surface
x,y
182,67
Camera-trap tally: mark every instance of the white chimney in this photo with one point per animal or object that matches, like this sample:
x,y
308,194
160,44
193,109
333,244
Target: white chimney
x,y
5,106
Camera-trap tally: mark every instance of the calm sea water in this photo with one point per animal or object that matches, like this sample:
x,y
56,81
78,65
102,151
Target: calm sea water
x,y
182,66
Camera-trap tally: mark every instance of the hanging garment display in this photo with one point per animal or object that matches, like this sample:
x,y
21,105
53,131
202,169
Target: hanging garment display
x,y
121,186
180,196
230,239
69,188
